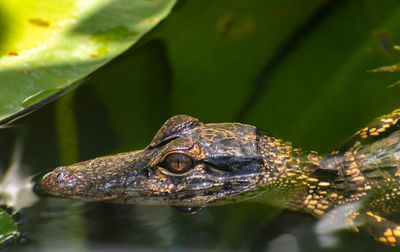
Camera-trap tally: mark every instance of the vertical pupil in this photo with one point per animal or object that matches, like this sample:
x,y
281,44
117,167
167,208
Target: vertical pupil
x,y
178,162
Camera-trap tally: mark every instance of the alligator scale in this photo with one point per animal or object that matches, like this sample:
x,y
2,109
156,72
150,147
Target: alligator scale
x,y
190,165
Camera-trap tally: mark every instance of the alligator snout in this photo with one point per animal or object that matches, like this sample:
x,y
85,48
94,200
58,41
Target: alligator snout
x,y
59,181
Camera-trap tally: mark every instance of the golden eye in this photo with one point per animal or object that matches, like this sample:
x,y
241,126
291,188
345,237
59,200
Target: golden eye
x,y
178,163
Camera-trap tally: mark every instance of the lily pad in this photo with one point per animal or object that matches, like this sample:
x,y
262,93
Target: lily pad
x,y
46,46
8,227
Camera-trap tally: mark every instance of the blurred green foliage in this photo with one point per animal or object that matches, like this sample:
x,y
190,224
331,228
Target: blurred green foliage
x,y
299,71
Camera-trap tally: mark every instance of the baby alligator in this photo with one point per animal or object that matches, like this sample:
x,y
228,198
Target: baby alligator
x,y
190,165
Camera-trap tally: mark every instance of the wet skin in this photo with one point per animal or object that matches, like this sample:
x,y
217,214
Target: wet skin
x,y
191,165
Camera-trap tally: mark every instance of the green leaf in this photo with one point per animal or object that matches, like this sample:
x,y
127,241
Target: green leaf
x,y
229,43
46,46
8,227
323,91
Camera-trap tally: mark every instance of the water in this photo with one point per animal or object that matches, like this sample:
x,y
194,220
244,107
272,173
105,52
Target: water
x,y
315,94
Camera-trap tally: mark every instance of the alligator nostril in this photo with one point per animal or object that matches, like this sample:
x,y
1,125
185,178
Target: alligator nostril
x,y
61,175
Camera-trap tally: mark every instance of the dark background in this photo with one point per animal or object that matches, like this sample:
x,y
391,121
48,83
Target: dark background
x,y
297,70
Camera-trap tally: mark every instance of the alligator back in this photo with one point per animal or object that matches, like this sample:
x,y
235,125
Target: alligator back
x,y
368,180
377,157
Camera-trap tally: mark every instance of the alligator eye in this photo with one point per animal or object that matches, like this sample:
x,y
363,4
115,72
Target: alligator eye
x,y
178,163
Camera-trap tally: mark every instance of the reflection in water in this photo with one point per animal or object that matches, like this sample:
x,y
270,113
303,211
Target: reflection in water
x,y
61,226
15,188
284,243
149,217
337,219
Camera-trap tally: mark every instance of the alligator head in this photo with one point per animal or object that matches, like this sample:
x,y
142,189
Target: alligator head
x,y
188,165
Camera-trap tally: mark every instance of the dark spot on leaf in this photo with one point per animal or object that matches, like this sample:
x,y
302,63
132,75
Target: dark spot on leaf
x,y
39,22
13,54
233,27
385,40
24,71
151,20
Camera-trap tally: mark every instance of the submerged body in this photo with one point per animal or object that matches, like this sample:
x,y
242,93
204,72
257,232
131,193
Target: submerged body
x,y
190,165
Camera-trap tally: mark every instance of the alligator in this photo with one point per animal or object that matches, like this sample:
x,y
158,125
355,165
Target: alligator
x,y
190,165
